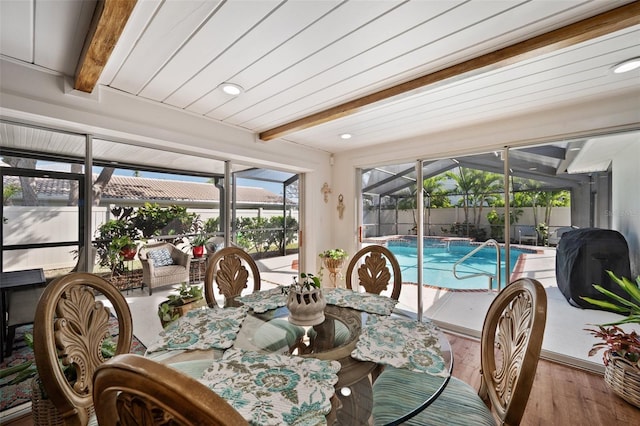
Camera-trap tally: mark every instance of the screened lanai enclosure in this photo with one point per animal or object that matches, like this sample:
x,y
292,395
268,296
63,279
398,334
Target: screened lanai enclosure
x,y
460,194
64,191
462,204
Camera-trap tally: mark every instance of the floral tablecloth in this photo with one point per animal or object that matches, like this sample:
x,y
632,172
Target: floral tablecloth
x,y
367,302
265,300
271,389
210,328
401,343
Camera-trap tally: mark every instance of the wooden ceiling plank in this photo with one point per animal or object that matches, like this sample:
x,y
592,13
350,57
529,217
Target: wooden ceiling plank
x,y
107,25
578,32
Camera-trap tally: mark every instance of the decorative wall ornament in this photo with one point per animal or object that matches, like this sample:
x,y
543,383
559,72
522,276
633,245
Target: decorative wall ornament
x,y
340,207
325,191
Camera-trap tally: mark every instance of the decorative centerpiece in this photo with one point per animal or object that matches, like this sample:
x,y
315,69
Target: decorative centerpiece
x,y
305,300
622,349
187,297
333,260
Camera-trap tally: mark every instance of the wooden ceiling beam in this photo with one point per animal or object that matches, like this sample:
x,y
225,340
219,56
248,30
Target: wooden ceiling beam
x,y
579,32
107,25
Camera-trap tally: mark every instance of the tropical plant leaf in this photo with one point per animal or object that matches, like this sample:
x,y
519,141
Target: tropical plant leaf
x,y
621,300
605,304
5,372
627,285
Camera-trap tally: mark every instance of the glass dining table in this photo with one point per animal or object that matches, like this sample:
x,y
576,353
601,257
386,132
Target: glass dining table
x,y
356,345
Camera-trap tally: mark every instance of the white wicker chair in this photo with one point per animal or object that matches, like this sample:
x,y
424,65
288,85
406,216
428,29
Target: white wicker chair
x,y
154,275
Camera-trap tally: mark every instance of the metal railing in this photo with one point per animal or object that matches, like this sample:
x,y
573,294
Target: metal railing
x,y
497,276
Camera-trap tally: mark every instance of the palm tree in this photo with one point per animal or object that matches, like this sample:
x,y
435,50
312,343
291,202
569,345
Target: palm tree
x,y
432,187
478,188
485,186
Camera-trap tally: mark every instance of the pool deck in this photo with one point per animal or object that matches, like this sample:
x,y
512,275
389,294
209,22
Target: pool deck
x,y
565,339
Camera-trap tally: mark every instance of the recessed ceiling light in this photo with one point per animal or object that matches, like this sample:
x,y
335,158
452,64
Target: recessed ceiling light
x,y
628,65
345,136
231,89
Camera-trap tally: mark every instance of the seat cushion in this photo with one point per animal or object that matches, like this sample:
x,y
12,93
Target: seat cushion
x,y
160,257
171,270
458,405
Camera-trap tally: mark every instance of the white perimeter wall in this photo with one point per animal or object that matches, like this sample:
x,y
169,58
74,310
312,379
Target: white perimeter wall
x,y
445,217
38,224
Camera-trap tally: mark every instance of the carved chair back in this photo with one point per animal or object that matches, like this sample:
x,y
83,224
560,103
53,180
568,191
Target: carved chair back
x,y
69,330
510,348
132,390
373,273
227,269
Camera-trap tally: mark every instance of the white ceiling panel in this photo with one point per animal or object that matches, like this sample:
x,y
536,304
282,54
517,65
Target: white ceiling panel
x,y
172,26
279,26
257,78
16,29
220,31
61,28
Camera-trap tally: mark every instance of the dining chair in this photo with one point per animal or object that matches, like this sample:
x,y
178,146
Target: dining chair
x,y
373,273
227,269
510,348
130,389
69,331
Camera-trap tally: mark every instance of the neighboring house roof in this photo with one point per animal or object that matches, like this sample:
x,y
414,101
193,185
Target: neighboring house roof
x,y
122,188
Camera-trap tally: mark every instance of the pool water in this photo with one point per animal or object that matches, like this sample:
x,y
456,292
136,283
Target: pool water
x,y
440,256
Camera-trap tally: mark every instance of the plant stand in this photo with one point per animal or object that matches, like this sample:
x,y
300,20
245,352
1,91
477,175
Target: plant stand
x,y
334,266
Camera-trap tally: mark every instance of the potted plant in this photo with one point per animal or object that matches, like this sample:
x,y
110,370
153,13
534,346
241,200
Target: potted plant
x,y
124,246
333,260
621,348
197,243
305,300
186,298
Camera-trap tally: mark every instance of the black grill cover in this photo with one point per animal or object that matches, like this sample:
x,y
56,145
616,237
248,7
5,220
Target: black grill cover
x,y
582,258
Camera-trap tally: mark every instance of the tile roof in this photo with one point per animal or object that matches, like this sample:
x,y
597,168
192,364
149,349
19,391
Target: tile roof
x,y
137,188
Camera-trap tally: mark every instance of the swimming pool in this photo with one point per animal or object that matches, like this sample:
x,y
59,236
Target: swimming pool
x,y
441,254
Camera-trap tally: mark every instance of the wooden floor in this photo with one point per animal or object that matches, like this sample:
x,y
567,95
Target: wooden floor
x,y
560,396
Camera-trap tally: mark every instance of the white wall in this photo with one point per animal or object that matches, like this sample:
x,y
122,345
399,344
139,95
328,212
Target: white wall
x,y
39,224
625,214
